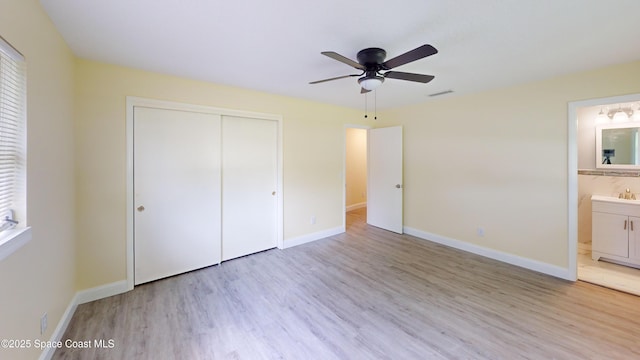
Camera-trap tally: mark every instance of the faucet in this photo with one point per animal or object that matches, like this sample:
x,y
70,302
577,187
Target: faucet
x,y
628,195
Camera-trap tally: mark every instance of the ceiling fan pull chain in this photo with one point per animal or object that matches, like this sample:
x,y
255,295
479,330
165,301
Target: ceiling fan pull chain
x,y
365,105
375,105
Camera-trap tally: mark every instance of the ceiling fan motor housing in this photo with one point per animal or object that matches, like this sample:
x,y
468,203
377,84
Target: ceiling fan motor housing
x,y
371,58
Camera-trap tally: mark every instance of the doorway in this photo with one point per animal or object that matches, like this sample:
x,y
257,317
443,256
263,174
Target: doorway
x,y
355,181
585,179
373,175
355,168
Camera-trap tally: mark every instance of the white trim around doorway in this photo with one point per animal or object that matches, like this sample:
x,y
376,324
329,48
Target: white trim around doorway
x,y
572,165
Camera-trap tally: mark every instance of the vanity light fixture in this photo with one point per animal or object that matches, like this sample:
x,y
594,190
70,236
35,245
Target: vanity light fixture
x,y
620,114
602,117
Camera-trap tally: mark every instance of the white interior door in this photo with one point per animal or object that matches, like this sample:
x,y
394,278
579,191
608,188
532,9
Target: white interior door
x,y
384,178
249,183
176,192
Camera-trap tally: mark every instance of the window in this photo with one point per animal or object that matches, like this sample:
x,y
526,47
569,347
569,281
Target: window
x,y
13,230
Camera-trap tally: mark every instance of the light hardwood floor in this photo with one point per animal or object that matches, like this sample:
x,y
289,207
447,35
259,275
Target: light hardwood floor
x,y
365,294
614,276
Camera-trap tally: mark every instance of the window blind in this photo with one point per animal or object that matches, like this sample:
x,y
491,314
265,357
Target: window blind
x,y
12,130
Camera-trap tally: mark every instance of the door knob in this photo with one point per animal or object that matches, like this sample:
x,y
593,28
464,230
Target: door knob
x,y
273,193
398,186
140,208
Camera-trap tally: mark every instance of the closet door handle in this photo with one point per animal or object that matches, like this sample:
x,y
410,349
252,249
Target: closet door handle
x,y
625,224
631,225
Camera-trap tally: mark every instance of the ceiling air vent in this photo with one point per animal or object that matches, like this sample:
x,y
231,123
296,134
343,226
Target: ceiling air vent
x,y
441,93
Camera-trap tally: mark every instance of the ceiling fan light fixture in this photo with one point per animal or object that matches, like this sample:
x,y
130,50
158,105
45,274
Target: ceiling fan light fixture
x,y
370,83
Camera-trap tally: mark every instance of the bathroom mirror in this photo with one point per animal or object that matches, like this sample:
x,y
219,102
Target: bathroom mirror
x,y
617,146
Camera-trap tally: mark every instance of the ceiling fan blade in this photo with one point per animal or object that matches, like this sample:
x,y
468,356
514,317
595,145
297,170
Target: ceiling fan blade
x,y
335,78
409,76
343,59
364,91
413,55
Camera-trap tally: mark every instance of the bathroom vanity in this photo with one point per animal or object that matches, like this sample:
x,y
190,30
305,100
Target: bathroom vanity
x,y
616,230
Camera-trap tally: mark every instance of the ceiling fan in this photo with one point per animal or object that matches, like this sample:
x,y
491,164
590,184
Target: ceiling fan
x,y
371,62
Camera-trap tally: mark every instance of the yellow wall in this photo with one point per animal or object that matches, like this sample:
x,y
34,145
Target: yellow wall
x,y
498,160
356,166
313,152
40,277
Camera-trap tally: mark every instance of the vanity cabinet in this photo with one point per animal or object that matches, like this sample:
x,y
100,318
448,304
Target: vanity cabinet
x,y
616,230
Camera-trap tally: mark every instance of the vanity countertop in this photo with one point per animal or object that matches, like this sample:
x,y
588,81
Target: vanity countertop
x,y
612,199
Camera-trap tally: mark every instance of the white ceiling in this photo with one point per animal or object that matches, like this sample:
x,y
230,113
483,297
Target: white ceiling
x,y
274,46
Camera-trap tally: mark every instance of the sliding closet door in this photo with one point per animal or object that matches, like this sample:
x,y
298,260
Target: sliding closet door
x,y
249,183
176,192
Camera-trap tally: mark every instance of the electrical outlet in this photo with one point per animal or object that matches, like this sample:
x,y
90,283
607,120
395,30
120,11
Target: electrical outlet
x,y
480,232
313,220
43,324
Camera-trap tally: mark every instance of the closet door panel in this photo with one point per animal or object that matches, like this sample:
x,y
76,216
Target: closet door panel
x,y
177,217
249,183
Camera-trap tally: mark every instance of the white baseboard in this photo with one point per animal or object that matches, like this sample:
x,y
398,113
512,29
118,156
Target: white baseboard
x,y
47,353
101,292
356,206
313,237
516,260
81,297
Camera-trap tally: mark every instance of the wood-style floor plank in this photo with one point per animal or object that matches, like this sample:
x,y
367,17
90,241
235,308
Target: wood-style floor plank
x,y
365,294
